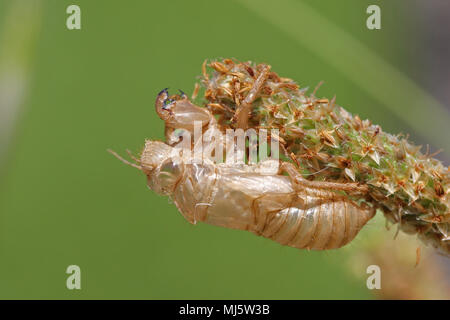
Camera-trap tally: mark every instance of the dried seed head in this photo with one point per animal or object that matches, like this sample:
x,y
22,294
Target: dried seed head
x,y
219,67
400,176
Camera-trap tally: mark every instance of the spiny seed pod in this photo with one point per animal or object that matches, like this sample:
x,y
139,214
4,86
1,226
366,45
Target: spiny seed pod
x,y
326,143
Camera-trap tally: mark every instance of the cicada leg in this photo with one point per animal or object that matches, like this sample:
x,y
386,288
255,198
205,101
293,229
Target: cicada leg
x,y
351,187
241,115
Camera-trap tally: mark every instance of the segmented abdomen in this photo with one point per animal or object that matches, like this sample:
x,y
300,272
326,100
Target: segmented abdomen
x,y
327,225
271,206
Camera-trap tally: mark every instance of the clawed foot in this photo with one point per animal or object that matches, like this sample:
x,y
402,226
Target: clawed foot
x,y
350,187
178,112
164,101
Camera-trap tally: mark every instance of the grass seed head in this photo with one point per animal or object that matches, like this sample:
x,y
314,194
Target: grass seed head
x,y
331,144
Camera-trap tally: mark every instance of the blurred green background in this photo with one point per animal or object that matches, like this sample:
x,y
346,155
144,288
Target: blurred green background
x,y
68,95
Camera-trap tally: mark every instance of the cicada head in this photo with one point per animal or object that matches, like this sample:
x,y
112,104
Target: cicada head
x,y
162,165
178,112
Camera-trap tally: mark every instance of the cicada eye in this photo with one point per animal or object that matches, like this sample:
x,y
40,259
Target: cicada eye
x,y
168,175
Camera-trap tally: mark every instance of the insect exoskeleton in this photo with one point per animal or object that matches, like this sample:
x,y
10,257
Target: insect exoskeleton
x,y
256,198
